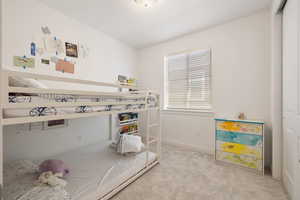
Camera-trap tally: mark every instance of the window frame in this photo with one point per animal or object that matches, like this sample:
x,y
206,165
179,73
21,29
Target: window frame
x,y
208,109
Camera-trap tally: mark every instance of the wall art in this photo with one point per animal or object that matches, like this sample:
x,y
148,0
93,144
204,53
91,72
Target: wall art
x,y
71,50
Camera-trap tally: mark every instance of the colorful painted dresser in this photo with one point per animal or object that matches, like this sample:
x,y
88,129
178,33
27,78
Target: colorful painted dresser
x,y
240,142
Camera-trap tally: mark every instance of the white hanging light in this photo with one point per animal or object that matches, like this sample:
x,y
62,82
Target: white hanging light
x,y
146,3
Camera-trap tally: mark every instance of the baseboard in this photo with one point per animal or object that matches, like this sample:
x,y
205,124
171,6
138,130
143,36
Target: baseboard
x,y
288,184
188,147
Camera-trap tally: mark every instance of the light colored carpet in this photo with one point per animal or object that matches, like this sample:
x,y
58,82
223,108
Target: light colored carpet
x,y
188,175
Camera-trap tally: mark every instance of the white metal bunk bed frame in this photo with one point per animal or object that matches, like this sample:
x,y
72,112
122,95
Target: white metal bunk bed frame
x,y
6,89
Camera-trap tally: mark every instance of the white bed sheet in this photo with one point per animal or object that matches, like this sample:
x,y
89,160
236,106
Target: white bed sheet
x,y
97,169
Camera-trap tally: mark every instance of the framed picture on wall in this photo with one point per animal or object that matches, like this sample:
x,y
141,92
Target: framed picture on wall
x,y
71,50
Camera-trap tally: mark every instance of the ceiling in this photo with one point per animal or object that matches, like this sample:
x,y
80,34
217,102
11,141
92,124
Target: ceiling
x,y
141,27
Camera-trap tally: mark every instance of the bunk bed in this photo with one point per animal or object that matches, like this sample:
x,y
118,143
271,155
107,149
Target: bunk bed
x,y
98,172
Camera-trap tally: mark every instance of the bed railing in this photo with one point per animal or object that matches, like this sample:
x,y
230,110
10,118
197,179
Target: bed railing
x,y
140,100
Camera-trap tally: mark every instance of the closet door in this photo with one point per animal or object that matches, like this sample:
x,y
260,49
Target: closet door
x,y
291,100
1,143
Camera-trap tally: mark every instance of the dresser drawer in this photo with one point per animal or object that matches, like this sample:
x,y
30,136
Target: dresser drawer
x,y
241,160
240,149
241,127
241,138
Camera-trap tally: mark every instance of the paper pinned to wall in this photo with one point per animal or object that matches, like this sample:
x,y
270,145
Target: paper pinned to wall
x,y
83,50
23,62
33,48
45,62
52,51
65,66
40,51
46,30
53,45
54,59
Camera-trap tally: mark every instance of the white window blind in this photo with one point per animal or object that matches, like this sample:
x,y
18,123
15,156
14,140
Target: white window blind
x,y
188,80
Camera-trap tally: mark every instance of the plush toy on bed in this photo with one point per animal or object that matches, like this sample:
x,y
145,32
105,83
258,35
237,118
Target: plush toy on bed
x,y
52,171
54,166
48,178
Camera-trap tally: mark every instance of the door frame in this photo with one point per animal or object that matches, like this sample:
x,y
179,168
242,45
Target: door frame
x,y
276,88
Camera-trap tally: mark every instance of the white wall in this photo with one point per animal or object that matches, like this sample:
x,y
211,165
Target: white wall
x,y
240,78
22,24
108,58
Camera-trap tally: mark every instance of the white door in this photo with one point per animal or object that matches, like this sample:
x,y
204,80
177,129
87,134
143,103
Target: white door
x,y
291,99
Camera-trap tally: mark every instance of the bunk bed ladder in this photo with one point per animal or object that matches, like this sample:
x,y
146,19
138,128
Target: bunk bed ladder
x,y
156,139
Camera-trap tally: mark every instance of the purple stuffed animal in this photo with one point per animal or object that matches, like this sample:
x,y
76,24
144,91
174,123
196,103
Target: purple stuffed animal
x,y
54,166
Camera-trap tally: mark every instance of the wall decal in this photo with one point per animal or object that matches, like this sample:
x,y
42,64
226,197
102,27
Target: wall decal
x,y
71,50
19,61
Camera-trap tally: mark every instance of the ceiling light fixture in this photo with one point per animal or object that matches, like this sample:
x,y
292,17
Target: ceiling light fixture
x,y
146,3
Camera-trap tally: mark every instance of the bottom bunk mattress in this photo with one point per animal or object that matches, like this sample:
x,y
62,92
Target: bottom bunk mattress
x,y
95,170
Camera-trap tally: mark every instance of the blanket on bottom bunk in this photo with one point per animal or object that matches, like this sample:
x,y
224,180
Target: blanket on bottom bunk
x,y
24,175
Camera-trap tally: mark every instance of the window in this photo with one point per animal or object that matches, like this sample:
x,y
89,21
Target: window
x,y
187,81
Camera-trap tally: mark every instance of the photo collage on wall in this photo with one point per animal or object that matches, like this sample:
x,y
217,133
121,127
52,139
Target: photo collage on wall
x,y
52,52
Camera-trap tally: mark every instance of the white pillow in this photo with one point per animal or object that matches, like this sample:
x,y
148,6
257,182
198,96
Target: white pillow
x,y
25,82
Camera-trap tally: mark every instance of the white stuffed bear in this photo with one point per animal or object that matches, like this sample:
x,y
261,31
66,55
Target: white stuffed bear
x,y
51,179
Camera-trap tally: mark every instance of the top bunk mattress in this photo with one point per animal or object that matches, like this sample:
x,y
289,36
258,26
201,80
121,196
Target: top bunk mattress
x,y
47,111
95,170
31,98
